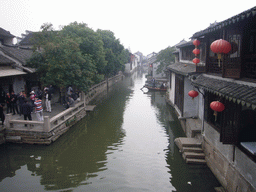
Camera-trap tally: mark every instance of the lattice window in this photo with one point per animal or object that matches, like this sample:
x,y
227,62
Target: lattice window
x,y
235,41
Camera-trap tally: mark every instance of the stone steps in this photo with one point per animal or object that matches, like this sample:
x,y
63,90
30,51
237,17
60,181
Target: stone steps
x,y
191,150
196,161
193,155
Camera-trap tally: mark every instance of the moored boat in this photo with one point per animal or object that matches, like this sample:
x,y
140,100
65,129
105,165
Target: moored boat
x,y
155,88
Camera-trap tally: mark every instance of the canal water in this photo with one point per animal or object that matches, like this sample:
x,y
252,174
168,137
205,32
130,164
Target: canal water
x,y
126,144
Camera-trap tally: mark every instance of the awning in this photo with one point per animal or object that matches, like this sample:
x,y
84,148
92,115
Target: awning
x,y
7,71
233,90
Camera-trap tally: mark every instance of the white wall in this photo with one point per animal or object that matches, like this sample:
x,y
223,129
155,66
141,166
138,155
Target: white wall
x,y
18,84
172,89
190,107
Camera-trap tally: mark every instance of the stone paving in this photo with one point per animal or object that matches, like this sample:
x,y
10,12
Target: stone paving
x,y
56,109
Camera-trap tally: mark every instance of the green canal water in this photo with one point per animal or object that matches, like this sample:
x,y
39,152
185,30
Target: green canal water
x,y
126,144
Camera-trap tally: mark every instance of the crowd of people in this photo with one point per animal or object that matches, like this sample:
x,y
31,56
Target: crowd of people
x,y
23,104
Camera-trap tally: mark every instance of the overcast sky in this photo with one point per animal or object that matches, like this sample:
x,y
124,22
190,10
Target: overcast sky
x,y
141,25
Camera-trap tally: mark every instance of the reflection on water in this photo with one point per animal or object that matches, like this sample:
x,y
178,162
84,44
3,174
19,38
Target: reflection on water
x,y
126,144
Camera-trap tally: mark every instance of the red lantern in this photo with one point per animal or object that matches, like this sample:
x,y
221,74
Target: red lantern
x,y
196,60
196,51
196,43
220,46
193,94
217,106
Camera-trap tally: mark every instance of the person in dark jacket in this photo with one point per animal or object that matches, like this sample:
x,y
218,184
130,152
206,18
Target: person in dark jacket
x,y
2,117
26,110
2,95
14,103
8,102
21,99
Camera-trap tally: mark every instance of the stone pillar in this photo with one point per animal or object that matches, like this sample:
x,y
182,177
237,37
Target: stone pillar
x,y
47,124
8,118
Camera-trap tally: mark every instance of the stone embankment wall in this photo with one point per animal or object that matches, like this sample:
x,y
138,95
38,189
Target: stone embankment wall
x,y
52,128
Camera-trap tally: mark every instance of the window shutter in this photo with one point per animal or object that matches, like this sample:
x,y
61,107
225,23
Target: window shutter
x,y
230,127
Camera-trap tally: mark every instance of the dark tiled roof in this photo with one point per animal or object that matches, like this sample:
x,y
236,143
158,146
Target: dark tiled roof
x,y
182,69
237,18
152,59
240,92
22,55
5,33
28,40
4,60
185,44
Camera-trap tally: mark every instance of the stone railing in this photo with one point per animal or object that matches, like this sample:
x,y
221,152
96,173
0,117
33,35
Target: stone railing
x,y
100,87
48,124
66,117
25,125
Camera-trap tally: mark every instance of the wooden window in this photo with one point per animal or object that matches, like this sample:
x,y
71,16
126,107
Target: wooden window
x,y
215,122
179,92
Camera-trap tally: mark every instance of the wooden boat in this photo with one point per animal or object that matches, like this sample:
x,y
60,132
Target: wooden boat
x,y
155,88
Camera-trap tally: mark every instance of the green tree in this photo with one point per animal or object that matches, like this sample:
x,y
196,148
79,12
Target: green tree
x,y
165,57
90,42
113,50
62,61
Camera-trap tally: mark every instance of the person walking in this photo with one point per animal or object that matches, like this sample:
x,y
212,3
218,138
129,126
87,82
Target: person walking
x,y
39,109
2,116
2,95
21,99
14,103
48,97
8,102
26,110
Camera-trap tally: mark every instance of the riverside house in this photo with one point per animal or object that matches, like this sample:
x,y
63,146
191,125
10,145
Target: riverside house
x,y
228,138
14,74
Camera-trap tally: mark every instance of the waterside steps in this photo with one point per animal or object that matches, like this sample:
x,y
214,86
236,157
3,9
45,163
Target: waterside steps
x,y
191,150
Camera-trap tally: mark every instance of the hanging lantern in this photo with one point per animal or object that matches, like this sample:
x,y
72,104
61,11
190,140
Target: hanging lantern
x,y
217,106
196,60
193,94
196,43
196,51
220,46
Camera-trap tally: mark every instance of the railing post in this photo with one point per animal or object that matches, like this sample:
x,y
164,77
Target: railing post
x,y
8,118
47,124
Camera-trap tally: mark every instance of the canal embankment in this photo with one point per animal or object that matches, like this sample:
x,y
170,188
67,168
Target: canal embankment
x,y
56,123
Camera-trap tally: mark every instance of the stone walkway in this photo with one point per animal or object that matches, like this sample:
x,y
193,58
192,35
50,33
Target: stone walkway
x,y
56,109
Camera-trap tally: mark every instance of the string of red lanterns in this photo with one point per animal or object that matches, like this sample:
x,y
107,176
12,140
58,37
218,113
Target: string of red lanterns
x,y
220,47
196,51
